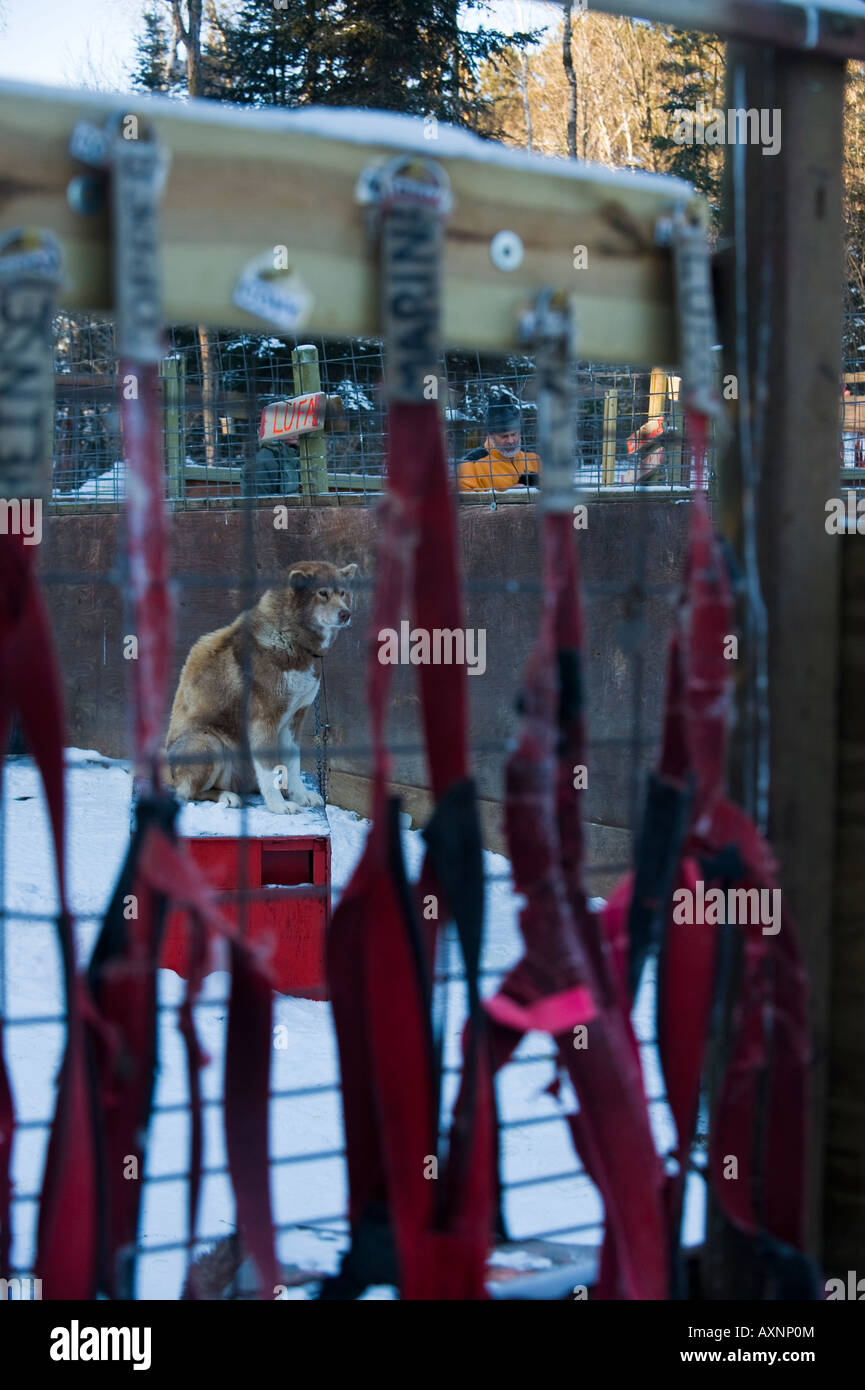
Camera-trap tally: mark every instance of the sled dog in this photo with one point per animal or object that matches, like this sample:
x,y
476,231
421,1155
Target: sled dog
x,y
244,690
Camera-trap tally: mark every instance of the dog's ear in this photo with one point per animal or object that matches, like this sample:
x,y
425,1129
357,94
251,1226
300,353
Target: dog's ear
x,y
349,571
297,579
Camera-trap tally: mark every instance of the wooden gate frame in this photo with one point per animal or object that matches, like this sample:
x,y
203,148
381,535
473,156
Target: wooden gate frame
x,y
792,55
245,183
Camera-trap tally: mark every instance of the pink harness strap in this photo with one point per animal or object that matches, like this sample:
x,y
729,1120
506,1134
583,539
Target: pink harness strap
x,y
567,975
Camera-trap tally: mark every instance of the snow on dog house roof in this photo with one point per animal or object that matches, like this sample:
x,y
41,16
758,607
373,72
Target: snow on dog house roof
x,y
243,181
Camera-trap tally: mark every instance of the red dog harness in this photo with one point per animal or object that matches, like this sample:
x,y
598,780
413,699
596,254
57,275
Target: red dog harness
x,y
29,684
566,983
694,839
761,1113
87,1244
418,1218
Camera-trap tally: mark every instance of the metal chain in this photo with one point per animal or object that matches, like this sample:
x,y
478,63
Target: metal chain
x,y
321,731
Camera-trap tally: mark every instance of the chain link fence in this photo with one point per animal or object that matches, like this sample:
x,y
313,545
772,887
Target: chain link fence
x,y
853,404
215,387
628,438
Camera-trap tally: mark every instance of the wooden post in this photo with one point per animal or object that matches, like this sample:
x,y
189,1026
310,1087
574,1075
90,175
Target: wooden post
x,y
657,393
844,1200
793,245
174,376
313,447
608,456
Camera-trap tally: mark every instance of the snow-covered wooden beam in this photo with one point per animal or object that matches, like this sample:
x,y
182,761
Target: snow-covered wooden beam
x,y
835,28
245,181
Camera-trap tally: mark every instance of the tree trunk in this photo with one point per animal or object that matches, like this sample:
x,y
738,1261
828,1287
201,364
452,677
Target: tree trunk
x,y
311,64
568,61
190,33
524,85
526,105
209,390
193,49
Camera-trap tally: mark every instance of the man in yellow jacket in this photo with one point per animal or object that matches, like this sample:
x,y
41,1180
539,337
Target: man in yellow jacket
x,y
500,463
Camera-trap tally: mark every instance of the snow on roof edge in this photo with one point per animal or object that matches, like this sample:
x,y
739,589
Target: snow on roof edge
x,y
358,125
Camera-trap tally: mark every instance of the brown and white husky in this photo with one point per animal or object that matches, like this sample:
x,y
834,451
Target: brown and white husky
x,y
273,649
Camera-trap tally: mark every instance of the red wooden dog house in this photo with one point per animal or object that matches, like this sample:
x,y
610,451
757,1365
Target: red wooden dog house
x,y
293,927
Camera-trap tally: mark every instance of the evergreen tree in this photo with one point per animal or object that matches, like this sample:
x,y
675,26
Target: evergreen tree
x,y
151,54
398,55
692,72
456,57
367,53
268,56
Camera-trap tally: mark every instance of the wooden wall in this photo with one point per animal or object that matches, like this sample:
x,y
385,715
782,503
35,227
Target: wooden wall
x,y
844,1191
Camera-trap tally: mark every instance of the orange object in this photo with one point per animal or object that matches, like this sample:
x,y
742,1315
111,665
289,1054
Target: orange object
x,y
489,470
647,431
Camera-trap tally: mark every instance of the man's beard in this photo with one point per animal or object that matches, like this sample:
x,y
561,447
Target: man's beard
x,y
510,451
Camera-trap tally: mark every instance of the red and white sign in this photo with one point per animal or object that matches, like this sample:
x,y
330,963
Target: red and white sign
x,y
300,415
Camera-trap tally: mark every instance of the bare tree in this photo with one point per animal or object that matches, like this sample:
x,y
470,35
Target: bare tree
x,y
605,109
568,61
524,84
90,69
186,30
854,209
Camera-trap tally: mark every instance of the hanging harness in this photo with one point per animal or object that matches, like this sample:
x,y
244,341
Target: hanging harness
x,y
420,1216
88,1245
566,984
30,686
694,839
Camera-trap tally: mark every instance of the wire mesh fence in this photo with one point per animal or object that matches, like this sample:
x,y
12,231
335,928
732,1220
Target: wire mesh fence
x,y
547,1198
628,439
548,1201
216,386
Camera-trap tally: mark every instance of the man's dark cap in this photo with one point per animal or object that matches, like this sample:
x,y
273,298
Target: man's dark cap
x,y
502,417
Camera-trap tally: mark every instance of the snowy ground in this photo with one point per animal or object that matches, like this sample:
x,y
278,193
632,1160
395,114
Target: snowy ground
x,y
110,486
309,1194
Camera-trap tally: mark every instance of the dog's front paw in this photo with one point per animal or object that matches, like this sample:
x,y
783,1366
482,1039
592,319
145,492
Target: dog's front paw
x,y
309,798
304,797
280,807
230,799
